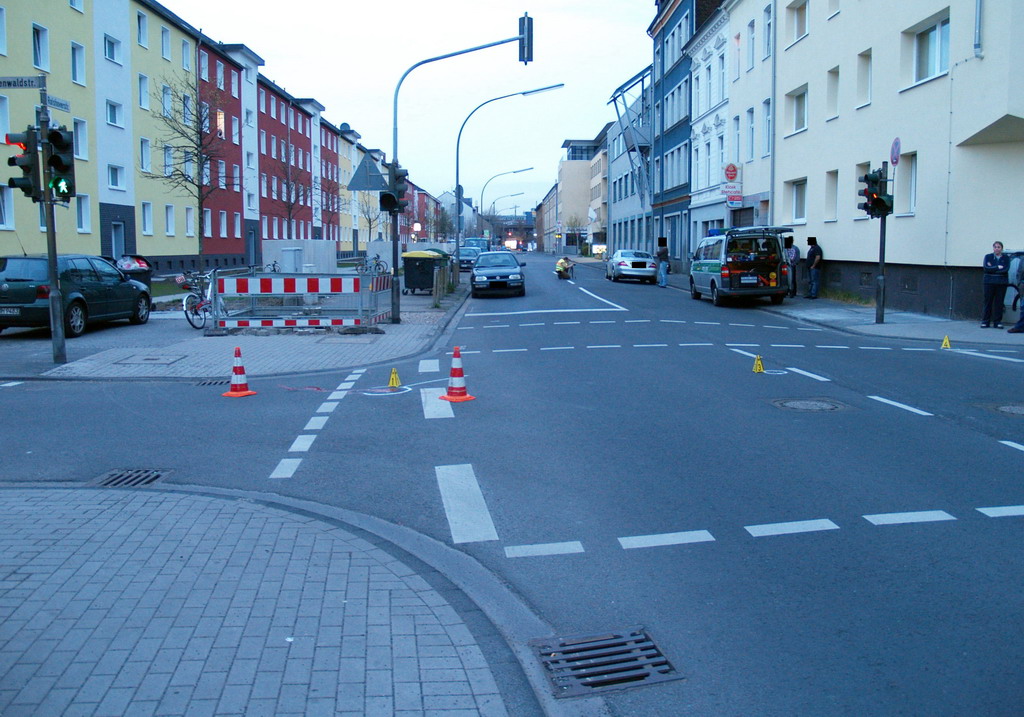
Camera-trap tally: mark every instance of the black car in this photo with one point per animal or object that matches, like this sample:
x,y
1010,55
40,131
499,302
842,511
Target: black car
x,y
497,271
92,289
467,255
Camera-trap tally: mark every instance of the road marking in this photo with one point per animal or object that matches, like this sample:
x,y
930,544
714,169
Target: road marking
x,y
1011,444
529,551
649,346
11,383
601,322
672,321
359,372
430,365
464,504
920,516
558,348
708,323
906,349
874,348
745,353
301,444
551,311
316,423
496,326
831,347
346,385
798,526
606,346
353,377
740,324
327,407
743,344
653,541
804,328
591,293
704,344
433,406
904,406
1003,351
465,328
452,353
338,395
1003,511
507,351
564,323
989,356
769,326
788,346
540,323
808,374
637,321
286,468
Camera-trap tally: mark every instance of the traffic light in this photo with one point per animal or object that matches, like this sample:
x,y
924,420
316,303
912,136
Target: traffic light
x,y
877,202
388,198
526,38
62,162
400,186
29,182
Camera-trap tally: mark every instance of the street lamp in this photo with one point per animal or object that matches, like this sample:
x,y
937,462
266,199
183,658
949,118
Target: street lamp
x,y
458,143
500,174
517,194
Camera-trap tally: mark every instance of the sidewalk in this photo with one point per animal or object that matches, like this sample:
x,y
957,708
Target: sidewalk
x,y
169,602
854,318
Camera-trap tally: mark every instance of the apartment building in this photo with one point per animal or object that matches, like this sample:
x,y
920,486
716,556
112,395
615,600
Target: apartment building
x,y
597,211
285,163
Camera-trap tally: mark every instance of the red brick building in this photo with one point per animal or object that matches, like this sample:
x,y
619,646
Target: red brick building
x,y
285,164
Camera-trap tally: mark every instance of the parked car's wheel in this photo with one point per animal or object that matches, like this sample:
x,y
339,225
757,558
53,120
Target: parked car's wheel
x,y
716,298
694,294
140,314
615,277
522,292
474,294
75,318
777,298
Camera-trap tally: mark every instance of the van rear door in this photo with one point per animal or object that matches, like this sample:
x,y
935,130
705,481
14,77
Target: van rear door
x,y
754,262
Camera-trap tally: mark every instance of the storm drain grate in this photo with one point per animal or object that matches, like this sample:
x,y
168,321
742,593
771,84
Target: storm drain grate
x,y
584,664
130,477
214,382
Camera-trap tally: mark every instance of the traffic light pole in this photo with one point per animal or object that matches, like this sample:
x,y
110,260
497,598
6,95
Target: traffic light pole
x,y
60,354
880,279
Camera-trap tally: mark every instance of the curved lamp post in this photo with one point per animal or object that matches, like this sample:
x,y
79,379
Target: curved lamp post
x,y
499,174
506,196
458,143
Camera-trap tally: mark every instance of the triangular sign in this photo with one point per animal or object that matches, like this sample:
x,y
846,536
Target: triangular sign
x,y
367,177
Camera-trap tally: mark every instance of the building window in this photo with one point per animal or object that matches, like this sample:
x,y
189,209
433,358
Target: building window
x,y
797,17
165,101
187,164
187,113
750,133
236,132
263,141
273,107
207,223
204,66
115,114
263,101
81,139
249,119
222,172
3,31
250,160
831,195
223,224
169,219
83,215
186,55
6,208
931,51
40,47
736,138
147,218
798,189
766,141
143,92
236,177
204,116
142,29
767,23
220,75
165,43
234,84
77,63
238,225
906,184
797,105
145,155
864,78
751,44
832,93
112,49
250,200
168,160
190,221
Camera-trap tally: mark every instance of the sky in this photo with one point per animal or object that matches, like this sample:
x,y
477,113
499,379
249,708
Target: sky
x,y
350,54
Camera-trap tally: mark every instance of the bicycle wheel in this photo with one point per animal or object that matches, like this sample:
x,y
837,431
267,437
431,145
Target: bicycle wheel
x,y
194,313
380,266
361,268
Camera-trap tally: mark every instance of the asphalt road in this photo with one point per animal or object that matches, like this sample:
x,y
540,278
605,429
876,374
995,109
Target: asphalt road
x,y
622,465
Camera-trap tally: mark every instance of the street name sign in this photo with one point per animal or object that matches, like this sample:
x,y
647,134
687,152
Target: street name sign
x,y
16,83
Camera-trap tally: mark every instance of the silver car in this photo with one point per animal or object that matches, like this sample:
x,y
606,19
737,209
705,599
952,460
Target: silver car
x,y
631,264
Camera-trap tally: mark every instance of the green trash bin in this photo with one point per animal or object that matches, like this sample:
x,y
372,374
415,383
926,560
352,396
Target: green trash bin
x,y
418,271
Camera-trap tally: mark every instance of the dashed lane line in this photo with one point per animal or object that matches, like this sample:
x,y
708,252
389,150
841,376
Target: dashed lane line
x,y
919,516
1011,444
557,348
660,539
9,384
507,351
1002,511
808,374
539,549
904,406
541,323
564,323
698,344
496,326
745,353
433,406
469,520
787,346
989,356
797,526
649,346
831,347
606,346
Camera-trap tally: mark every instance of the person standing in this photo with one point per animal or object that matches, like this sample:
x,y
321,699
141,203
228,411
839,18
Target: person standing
x,y
792,252
662,257
814,259
996,281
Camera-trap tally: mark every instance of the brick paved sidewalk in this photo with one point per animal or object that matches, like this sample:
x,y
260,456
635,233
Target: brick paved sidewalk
x,y
165,603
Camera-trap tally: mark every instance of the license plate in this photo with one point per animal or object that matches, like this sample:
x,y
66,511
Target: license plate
x,y
10,311
748,279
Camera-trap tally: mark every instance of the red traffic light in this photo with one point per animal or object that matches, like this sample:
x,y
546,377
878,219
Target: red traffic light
x,y
14,141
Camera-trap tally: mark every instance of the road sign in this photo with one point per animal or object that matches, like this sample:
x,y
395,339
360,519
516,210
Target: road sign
x,y
367,177
57,103
19,83
894,152
731,171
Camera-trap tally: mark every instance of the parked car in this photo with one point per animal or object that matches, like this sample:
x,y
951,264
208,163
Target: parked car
x,y
92,289
467,255
631,264
746,261
497,272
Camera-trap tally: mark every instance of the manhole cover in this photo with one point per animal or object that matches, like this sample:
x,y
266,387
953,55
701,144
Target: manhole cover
x,y
1012,410
129,477
385,390
808,404
584,664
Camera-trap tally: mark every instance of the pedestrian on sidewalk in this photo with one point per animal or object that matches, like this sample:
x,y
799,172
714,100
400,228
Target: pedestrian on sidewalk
x,y
793,259
996,281
662,256
814,258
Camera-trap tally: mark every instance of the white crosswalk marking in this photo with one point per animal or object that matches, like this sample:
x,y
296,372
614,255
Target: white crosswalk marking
x,y
302,443
316,423
286,468
920,516
529,551
468,517
433,406
652,541
430,365
798,526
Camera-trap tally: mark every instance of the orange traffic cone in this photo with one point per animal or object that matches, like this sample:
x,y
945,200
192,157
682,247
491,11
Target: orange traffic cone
x,y
239,384
457,381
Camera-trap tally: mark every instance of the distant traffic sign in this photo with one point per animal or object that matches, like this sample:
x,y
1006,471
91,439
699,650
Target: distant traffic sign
x,y
14,83
367,177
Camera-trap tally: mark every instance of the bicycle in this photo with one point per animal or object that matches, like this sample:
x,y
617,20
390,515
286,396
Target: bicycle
x,y
376,265
272,267
198,304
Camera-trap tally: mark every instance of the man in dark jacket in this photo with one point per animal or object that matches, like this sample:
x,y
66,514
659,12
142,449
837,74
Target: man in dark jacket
x,y
814,258
996,281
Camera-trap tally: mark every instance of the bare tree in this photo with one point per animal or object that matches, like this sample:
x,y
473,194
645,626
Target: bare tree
x,y
574,227
444,225
194,137
291,190
327,199
369,210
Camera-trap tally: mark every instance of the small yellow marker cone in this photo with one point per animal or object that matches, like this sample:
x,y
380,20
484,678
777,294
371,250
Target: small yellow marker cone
x,y
758,366
945,343
393,382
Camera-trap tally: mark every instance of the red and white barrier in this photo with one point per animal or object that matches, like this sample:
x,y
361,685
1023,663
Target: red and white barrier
x,y
277,285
